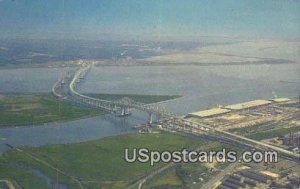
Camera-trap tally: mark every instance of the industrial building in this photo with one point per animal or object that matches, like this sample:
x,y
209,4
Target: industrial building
x,y
247,105
292,139
245,179
208,113
281,100
232,109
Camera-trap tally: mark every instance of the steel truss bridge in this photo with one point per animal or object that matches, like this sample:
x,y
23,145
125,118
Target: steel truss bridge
x,y
168,120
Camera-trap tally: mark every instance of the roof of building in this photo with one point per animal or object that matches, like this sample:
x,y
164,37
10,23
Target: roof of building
x,y
281,99
249,104
209,112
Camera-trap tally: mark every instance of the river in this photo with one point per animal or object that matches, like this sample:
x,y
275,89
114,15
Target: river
x,y
201,87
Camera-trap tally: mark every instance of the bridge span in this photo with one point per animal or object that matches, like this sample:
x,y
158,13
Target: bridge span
x,y
169,120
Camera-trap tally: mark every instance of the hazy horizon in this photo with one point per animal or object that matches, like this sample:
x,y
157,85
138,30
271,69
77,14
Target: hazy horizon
x,y
149,20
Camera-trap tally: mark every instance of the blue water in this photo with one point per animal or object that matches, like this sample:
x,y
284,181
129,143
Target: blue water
x,y
200,86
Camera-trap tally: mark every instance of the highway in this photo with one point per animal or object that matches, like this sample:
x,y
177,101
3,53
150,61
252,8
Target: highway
x,y
179,123
250,142
111,106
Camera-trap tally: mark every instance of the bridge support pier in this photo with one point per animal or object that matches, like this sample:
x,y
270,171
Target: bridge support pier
x,y
114,108
124,111
150,118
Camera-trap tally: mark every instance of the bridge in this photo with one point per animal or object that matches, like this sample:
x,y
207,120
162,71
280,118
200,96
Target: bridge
x,y
168,120
122,105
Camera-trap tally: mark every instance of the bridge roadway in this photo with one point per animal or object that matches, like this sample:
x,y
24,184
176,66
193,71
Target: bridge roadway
x,y
57,87
112,106
178,123
194,128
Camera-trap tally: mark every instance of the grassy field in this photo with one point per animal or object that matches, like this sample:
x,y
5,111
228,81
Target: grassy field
x,y
98,164
273,133
27,109
140,98
167,180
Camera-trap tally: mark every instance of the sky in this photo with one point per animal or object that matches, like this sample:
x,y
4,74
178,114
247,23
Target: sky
x,y
125,19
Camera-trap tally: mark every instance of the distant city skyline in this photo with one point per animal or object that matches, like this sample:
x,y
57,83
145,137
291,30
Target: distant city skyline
x,y
143,19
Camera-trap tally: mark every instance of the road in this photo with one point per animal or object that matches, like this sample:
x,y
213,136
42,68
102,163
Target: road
x,y
10,184
213,183
186,125
160,112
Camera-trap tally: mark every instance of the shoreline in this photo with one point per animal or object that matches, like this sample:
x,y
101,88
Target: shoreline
x,y
46,65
